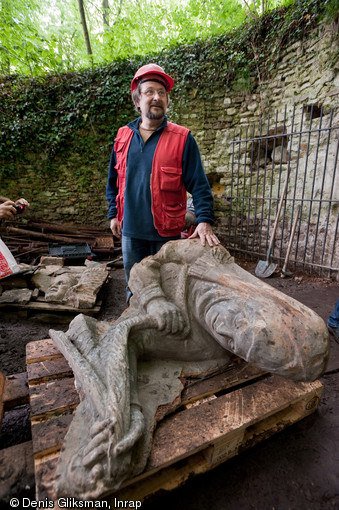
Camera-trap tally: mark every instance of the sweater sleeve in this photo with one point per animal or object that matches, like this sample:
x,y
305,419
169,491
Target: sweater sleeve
x,y
112,188
196,182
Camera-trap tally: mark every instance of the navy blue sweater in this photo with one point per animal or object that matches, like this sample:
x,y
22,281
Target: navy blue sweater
x,y
138,219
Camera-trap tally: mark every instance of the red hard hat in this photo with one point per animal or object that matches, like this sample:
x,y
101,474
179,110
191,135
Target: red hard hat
x,y
152,69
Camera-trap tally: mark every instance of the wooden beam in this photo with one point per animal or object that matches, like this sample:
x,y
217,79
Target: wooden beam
x,y
2,390
16,390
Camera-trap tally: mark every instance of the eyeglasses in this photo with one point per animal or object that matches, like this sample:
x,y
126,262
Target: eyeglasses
x,y
152,92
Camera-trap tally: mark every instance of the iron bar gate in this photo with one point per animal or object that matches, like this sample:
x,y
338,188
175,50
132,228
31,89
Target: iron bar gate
x,y
303,148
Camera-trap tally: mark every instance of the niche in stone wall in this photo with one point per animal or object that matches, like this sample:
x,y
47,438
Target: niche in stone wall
x,y
270,147
313,111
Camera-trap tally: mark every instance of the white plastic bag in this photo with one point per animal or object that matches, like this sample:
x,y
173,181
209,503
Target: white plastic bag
x,y
8,264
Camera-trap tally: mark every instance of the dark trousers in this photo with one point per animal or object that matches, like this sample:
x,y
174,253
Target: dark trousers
x,y
133,251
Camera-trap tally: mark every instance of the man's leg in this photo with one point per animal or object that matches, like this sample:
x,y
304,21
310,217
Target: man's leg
x,y
333,321
155,246
133,251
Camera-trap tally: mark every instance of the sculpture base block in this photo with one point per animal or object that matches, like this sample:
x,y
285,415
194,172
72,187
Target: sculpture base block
x,y
219,418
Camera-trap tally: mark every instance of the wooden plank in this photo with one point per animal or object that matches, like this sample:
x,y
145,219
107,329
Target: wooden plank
x,y
164,480
207,437
53,398
2,390
48,436
41,350
43,371
237,373
44,478
16,390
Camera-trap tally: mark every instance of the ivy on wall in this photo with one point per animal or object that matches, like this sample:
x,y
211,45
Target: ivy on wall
x,y
62,116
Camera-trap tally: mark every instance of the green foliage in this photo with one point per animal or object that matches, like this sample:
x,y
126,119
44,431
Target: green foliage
x,y
48,37
332,10
77,113
38,37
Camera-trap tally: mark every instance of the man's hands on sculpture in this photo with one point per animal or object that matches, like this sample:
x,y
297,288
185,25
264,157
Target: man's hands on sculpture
x,y
205,232
168,316
115,227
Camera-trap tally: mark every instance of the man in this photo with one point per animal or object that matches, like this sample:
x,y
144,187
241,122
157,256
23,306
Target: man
x,y
153,163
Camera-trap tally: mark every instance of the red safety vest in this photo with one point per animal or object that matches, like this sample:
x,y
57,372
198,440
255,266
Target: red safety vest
x,y
167,187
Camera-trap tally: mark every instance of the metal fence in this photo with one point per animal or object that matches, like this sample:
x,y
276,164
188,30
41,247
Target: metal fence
x,y
297,151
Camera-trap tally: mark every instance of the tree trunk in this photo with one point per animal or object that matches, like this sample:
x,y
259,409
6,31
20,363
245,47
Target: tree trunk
x,y
84,26
105,11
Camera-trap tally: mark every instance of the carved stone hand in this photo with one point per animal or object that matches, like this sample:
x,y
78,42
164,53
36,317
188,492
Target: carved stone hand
x,y
168,316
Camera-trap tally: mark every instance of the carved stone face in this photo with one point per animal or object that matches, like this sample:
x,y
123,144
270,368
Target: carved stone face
x,y
262,330
59,287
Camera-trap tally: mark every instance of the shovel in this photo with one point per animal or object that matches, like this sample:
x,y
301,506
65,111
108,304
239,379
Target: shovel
x,y
283,271
265,268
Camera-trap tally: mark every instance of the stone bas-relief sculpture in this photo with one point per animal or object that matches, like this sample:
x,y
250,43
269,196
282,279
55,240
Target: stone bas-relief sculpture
x,y
76,287
77,290
190,304
73,286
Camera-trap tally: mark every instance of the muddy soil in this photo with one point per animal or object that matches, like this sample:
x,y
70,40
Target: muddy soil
x,y
295,470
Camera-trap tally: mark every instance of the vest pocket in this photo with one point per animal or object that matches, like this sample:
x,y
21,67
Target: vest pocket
x,y
170,178
118,146
174,216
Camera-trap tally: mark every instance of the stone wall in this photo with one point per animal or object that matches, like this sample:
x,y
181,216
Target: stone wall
x,y
301,94
307,74
60,197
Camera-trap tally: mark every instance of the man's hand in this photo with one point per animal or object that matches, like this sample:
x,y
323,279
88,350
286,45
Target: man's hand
x,y
115,227
167,315
7,210
23,202
205,232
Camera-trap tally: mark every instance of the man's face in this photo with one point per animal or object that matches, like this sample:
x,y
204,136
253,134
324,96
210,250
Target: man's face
x,y
153,100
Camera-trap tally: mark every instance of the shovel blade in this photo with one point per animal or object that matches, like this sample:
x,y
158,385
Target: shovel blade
x,y
265,269
285,273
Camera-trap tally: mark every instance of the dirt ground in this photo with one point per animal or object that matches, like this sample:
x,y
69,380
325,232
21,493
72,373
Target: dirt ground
x,y
296,469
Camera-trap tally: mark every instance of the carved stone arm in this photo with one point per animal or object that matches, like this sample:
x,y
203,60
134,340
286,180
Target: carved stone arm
x,y
145,282
145,278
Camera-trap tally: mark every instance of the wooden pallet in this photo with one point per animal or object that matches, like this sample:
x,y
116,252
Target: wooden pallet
x,y
219,418
41,306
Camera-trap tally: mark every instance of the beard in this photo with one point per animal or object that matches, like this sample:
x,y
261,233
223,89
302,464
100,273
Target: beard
x,y
155,116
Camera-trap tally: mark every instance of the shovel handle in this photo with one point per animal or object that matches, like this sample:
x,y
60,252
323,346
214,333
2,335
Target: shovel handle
x,y
279,211
291,238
